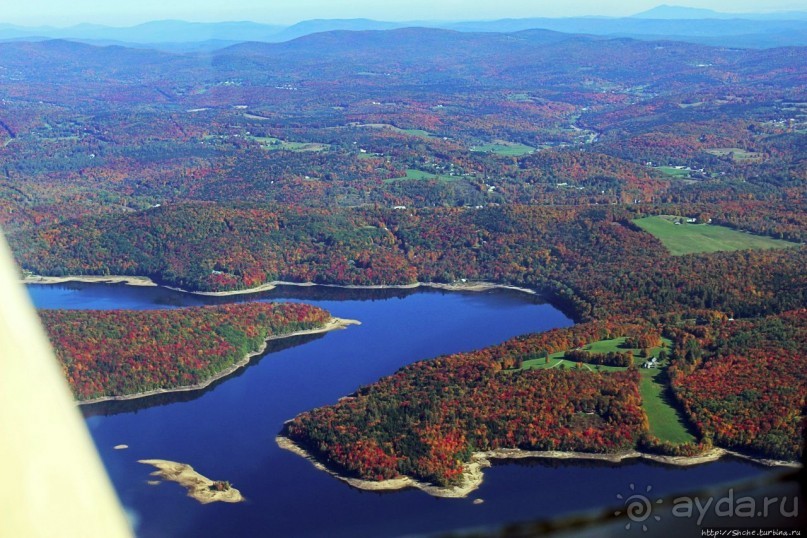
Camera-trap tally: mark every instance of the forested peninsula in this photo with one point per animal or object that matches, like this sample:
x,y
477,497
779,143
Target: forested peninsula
x,y
123,354
434,423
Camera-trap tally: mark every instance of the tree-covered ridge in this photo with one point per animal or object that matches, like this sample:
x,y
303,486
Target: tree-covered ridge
x,y
592,260
427,419
747,389
211,248
108,353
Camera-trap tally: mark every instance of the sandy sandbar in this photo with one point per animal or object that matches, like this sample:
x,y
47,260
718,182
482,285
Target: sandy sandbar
x,y
93,279
199,487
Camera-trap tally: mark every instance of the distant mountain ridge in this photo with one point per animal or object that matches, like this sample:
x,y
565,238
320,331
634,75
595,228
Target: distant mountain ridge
x,y
155,32
442,57
666,11
661,23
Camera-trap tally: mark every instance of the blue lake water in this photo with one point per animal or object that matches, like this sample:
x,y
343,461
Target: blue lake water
x,y
227,431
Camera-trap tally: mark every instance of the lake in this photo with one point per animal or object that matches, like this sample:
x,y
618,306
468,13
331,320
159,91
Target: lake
x,y
227,431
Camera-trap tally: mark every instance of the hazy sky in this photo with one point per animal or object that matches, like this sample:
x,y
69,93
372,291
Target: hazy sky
x,y
128,12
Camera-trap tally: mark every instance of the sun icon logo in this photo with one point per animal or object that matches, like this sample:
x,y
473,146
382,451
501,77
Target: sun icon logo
x,y
638,507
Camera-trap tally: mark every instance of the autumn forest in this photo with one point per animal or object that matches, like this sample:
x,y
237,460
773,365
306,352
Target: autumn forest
x,y
390,158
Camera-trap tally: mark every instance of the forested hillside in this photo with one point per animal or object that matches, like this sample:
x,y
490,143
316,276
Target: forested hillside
x,y
593,261
393,157
124,352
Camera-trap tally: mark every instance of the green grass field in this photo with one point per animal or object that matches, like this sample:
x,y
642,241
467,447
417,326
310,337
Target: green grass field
x,y
276,144
519,97
693,238
501,147
411,132
737,154
665,421
602,346
673,171
412,174
608,346
416,132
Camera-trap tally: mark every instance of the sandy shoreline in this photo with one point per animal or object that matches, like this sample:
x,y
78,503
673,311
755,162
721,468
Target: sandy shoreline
x,y
472,477
198,486
473,474
331,325
145,281
92,279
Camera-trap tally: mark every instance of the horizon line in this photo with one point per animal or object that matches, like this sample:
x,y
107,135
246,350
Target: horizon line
x,y
392,21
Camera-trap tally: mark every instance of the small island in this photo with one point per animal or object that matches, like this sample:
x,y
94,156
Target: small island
x,y
199,487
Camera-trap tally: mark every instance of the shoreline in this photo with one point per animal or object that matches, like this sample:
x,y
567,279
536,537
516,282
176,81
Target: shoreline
x,y
471,477
143,281
473,474
330,325
269,286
